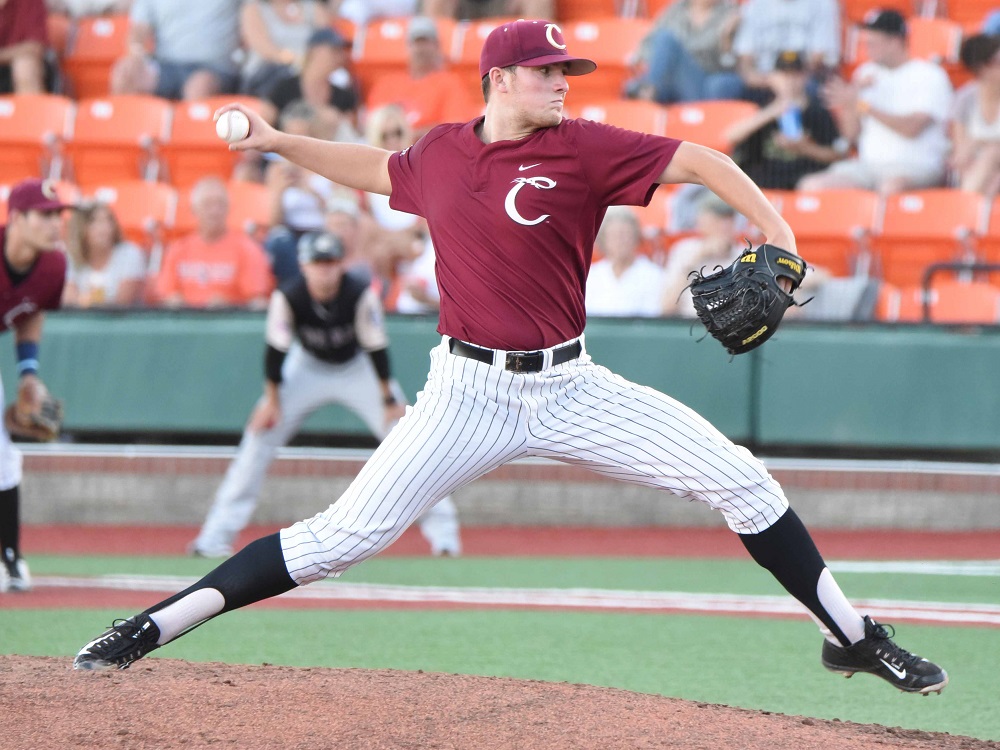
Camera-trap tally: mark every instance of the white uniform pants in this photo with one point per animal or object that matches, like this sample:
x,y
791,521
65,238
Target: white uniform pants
x,y
307,384
472,417
10,456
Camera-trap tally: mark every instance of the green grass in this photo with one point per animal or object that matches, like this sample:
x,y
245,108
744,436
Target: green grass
x,y
753,663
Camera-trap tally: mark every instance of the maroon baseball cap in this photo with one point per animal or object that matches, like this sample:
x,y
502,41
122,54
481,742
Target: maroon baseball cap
x,y
531,44
34,195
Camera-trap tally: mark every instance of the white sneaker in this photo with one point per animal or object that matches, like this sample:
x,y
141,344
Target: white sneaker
x,y
18,575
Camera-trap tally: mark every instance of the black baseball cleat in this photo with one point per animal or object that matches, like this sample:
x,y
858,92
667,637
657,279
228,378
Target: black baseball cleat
x,y
878,655
16,574
126,641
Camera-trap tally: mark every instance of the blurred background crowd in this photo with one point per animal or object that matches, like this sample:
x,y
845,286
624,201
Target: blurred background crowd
x,y
873,126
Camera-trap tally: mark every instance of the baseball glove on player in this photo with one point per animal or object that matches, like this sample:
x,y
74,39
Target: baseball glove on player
x,y
742,305
35,414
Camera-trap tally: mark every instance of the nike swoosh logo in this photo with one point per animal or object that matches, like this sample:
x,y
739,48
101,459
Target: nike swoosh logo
x,y
900,673
530,166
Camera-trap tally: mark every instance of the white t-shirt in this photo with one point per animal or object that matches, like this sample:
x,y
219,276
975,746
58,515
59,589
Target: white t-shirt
x,y
768,27
915,86
127,263
636,292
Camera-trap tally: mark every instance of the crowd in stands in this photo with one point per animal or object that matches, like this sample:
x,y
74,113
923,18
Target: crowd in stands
x,y
817,100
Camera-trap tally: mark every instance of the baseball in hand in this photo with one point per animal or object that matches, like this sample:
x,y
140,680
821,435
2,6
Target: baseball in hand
x,y
232,126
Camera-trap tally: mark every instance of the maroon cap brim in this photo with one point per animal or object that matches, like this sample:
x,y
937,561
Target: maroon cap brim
x,y
578,66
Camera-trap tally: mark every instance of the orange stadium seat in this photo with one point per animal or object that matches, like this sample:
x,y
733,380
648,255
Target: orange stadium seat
x,y
32,129
924,227
633,114
706,122
144,209
990,241
831,227
854,11
610,42
964,302
466,46
969,13
193,150
92,49
585,10
381,47
116,138
936,39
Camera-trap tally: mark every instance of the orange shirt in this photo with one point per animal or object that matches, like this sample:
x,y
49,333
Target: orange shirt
x,y
441,96
233,270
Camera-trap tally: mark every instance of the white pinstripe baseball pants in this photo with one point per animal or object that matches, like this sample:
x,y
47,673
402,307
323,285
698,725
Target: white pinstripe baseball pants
x,y
472,417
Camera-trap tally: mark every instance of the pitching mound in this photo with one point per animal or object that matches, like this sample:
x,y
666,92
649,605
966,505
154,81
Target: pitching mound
x,y
168,704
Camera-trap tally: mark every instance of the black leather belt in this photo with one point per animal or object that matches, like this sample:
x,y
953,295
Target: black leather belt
x,y
516,361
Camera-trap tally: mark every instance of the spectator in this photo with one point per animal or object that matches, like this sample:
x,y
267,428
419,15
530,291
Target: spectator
x,y
325,82
769,27
24,39
895,110
84,8
298,196
714,244
624,282
275,34
428,92
393,237
214,266
791,136
975,123
992,23
182,49
466,9
360,12
105,269
687,55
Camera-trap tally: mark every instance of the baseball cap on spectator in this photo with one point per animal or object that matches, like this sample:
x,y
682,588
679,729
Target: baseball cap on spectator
x,y
422,27
319,247
34,195
886,21
531,44
329,36
790,60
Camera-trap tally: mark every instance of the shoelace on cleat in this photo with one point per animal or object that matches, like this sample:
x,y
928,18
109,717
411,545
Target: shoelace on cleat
x,y
885,634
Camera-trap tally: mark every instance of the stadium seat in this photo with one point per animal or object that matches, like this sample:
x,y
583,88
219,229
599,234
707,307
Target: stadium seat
x,y
381,46
831,227
969,13
964,302
633,114
854,11
989,243
706,122
466,46
936,39
924,227
91,51
144,209
32,129
116,138
610,42
193,150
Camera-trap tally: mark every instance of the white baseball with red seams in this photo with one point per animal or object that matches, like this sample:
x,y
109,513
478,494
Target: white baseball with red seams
x,y
232,126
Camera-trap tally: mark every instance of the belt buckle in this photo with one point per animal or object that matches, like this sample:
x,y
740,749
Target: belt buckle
x,y
521,361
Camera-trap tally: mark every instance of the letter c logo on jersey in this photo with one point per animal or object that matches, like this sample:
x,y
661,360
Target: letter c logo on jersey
x,y
539,183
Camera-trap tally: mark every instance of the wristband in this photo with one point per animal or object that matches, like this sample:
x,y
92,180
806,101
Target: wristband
x,y
27,358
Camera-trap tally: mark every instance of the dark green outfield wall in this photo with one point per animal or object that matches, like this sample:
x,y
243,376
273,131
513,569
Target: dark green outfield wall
x,y
811,386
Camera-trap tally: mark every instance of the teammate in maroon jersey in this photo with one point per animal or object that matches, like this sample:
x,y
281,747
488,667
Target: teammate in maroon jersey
x,y
31,281
513,201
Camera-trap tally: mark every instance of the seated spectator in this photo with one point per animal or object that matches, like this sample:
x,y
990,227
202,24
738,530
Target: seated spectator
x,y
214,266
789,137
24,39
471,9
275,34
428,92
624,282
84,8
325,82
182,49
687,55
895,109
298,196
360,12
392,237
105,270
715,243
975,130
769,27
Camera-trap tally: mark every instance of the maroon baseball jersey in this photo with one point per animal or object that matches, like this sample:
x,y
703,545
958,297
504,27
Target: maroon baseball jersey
x,y
40,290
513,222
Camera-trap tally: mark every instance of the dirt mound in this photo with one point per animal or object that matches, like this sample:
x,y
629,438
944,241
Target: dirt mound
x,y
168,705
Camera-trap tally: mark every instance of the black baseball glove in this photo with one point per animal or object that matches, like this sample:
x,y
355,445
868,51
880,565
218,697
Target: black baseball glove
x,y
743,304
